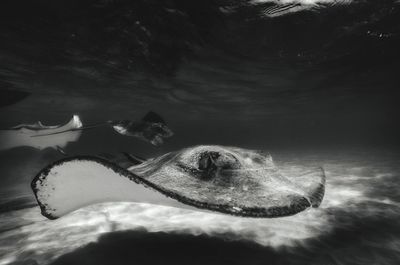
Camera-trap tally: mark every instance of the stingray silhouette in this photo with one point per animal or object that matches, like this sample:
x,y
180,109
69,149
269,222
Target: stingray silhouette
x,y
223,179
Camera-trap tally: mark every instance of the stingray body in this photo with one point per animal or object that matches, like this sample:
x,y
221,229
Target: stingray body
x,y
151,128
223,179
41,136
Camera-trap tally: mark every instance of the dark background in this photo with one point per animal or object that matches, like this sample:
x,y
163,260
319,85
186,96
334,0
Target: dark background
x,y
327,75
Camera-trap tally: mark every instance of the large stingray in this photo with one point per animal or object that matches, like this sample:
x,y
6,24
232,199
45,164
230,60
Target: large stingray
x,y
224,179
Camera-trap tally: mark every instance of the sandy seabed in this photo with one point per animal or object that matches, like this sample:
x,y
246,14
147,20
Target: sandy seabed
x,y
357,223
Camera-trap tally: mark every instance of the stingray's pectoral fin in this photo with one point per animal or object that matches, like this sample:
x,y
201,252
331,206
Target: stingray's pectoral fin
x,y
72,183
313,184
153,117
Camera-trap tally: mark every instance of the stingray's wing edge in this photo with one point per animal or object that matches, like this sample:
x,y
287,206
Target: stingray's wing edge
x,y
43,179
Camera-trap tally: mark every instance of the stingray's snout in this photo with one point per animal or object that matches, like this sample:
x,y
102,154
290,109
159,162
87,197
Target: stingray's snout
x,y
213,162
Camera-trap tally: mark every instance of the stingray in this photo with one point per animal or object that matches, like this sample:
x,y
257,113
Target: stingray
x,y
227,180
41,136
151,128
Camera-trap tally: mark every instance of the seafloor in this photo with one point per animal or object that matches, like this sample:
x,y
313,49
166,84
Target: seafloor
x,y
357,223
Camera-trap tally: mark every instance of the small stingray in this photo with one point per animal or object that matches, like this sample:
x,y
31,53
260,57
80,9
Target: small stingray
x,y
228,180
151,128
30,135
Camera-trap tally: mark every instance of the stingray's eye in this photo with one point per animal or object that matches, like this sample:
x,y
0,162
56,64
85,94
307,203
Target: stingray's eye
x,y
207,160
217,161
208,163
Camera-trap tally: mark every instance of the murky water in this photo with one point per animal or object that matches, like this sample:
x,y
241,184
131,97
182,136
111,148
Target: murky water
x,y
314,83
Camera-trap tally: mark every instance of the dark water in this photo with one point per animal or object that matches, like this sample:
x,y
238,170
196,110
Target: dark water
x,y
316,87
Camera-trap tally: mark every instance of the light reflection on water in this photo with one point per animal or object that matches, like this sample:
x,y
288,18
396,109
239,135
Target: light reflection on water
x,y
356,223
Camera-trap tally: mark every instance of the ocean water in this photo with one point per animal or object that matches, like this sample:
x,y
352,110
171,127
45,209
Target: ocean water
x,y
314,83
